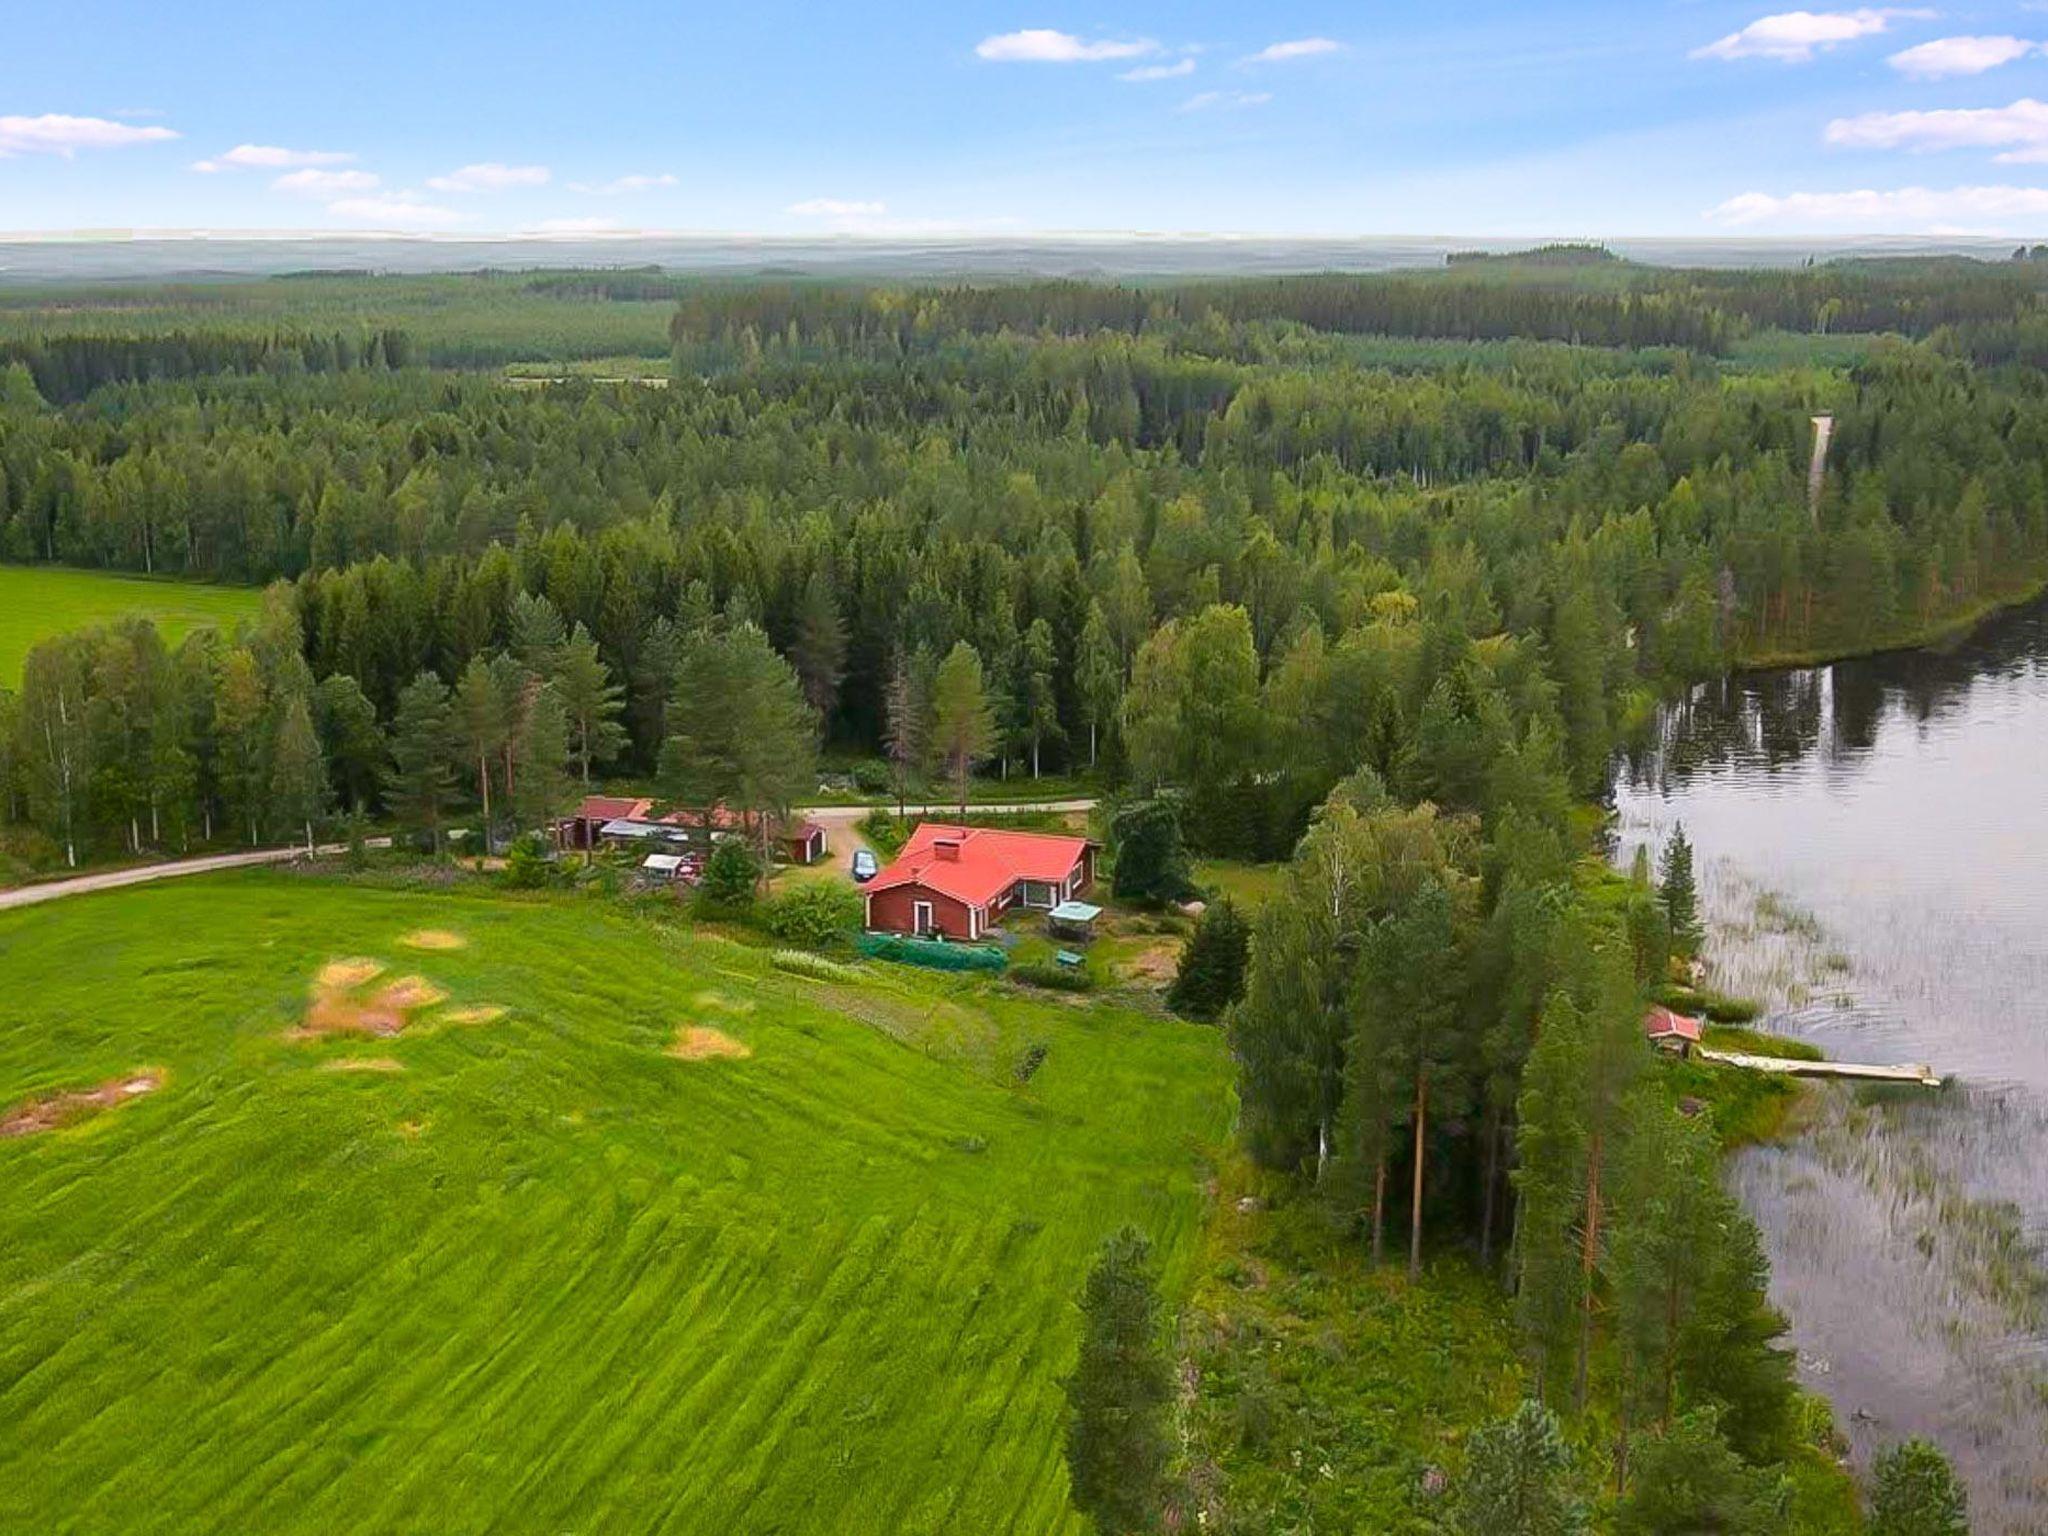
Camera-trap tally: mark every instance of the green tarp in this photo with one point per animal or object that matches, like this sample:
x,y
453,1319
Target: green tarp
x,y
930,952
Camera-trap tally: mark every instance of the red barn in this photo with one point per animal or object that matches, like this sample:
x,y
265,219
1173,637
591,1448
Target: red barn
x,y
958,881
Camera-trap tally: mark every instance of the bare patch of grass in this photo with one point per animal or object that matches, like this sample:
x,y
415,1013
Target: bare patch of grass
x,y
347,975
698,1042
340,1007
60,1109
476,1013
434,939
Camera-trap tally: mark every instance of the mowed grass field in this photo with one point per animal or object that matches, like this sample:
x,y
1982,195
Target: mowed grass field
x,y
534,1272
39,601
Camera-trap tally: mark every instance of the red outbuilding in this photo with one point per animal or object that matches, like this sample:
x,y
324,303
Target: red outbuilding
x,y
630,821
958,881
1670,1031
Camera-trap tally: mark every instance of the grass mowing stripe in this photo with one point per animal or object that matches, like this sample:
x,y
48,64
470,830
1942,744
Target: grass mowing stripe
x,y
547,1277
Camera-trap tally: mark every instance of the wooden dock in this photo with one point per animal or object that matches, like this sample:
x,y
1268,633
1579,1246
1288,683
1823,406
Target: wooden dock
x,y
1912,1072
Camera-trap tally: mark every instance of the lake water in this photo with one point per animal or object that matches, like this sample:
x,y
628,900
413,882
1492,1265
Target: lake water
x,y
1873,849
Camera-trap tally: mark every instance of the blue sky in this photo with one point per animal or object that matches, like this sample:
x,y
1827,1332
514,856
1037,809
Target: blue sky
x,y
1586,117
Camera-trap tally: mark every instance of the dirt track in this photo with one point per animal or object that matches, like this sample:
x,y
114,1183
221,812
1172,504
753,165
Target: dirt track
x,y
838,821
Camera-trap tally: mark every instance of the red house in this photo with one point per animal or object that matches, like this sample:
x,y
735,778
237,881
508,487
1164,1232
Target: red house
x,y
958,881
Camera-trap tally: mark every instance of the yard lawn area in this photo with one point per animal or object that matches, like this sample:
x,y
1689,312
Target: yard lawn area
x,y
577,1266
1249,885
39,601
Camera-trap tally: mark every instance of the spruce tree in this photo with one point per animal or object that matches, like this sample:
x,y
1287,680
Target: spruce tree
x,y
1119,1393
818,650
421,781
1212,966
592,701
963,726
1518,1479
1681,894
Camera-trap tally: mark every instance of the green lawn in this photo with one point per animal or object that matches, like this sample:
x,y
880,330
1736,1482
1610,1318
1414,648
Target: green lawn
x,y
39,601
1249,885
536,1274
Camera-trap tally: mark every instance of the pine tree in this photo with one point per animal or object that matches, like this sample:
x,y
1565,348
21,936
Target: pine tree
x,y
481,721
906,728
421,781
1588,1053
742,735
963,728
542,789
1212,966
592,701
1517,1481
1681,895
1916,1492
1411,975
298,773
1119,1392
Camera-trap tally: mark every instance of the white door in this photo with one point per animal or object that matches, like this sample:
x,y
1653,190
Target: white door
x,y
921,917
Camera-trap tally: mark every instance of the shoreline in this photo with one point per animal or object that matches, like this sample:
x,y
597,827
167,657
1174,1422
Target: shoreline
x,y
1943,632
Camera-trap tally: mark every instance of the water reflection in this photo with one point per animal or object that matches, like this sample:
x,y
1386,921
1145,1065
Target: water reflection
x,y
1873,840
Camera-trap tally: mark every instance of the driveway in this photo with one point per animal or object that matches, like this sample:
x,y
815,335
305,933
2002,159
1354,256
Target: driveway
x,y
839,822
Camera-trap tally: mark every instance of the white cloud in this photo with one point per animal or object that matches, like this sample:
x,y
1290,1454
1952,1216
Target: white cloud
x,y
490,176
1298,48
393,210
1989,209
620,185
573,227
837,208
1042,45
1205,101
1793,37
270,157
56,133
1159,71
318,183
1947,56
2021,130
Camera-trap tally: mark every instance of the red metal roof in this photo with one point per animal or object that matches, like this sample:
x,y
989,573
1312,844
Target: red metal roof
x,y
1661,1023
989,861
623,808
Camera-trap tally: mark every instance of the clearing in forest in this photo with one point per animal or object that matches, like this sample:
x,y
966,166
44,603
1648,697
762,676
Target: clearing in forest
x,y
37,601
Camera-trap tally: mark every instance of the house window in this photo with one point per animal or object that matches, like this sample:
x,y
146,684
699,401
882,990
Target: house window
x,y
1040,893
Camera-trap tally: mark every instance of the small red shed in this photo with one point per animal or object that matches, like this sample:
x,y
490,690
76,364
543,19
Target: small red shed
x,y
1670,1031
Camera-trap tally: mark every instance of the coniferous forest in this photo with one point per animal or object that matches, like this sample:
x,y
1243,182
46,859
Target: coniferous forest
x,y
1366,575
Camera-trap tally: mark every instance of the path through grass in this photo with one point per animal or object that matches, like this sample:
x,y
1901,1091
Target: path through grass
x,y
533,1272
